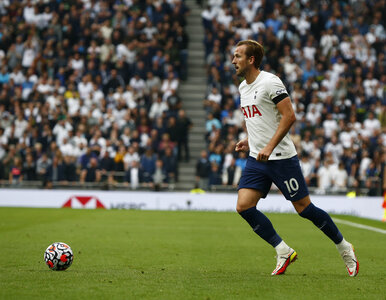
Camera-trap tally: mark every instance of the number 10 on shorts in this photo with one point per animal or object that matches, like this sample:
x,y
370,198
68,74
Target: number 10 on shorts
x,y
292,185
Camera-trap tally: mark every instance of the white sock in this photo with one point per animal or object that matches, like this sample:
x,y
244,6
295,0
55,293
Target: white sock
x,y
282,248
343,245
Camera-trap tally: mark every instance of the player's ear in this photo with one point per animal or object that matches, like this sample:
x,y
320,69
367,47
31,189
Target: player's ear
x,y
252,60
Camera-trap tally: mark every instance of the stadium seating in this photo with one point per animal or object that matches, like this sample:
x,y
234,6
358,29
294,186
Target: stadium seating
x,y
331,59
77,80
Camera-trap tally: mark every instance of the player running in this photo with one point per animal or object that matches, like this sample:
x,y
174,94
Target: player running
x,y
268,114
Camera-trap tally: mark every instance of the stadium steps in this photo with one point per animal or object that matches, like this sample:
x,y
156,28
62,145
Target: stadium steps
x,y
192,93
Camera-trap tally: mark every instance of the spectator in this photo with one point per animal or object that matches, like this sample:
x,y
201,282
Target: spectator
x,y
340,178
160,178
29,168
42,166
184,124
170,165
106,165
56,170
326,174
92,173
16,172
214,175
133,174
203,169
148,166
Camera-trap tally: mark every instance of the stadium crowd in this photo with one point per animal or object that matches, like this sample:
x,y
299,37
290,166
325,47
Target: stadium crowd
x,y
331,57
89,91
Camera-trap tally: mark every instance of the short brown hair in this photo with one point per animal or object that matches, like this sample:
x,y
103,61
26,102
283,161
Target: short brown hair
x,y
254,49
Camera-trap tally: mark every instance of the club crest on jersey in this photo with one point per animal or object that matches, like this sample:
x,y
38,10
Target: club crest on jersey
x,y
250,111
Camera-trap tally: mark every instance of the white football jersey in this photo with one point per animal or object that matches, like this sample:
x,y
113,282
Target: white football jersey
x,y
258,105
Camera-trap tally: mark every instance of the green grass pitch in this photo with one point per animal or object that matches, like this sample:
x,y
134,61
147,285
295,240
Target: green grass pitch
x,y
180,255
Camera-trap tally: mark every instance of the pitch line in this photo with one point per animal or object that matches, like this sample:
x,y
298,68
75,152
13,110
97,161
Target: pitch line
x,y
360,225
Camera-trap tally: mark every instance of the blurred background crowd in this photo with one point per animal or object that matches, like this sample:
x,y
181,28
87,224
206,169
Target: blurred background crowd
x,y
88,91
331,57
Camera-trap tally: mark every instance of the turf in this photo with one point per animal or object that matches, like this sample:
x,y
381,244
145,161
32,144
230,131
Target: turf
x,y
179,255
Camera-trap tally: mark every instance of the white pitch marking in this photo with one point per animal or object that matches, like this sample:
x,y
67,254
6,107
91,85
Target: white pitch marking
x,y
359,225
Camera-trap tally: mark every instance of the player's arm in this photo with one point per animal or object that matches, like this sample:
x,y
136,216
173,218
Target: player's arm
x,y
242,146
287,119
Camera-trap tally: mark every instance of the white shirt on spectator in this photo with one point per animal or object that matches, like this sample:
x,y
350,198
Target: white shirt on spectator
x,y
67,149
77,64
257,27
335,149
52,101
78,140
3,143
372,125
18,78
309,53
29,13
168,86
61,131
44,88
345,138
97,96
327,41
20,127
248,13
215,97
306,167
128,96
325,175
364,164
96,113
138,84
28,57
85,89
245,33
129,158
370,86
126,53
313,116
340,178
345,49
224,18
307,146
73,105
329,127
157,108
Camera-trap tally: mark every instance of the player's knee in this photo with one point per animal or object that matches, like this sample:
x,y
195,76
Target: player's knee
x,y
240,208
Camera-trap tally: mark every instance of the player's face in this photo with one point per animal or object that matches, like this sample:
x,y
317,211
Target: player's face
x,y
240,61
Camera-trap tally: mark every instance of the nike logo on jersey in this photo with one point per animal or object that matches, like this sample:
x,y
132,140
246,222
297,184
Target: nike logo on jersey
x,y
293,194
250,111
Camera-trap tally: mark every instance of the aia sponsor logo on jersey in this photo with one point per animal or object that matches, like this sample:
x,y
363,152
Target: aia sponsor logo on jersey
x,y
250,111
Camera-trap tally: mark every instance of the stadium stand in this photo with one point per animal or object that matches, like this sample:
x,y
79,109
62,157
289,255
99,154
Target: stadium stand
x,y
331,57
77,80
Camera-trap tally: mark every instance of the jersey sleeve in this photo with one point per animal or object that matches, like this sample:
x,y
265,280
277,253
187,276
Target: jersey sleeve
x,y
276,90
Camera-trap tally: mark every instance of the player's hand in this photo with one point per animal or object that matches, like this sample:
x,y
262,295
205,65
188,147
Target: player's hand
x,y
264,154
242,146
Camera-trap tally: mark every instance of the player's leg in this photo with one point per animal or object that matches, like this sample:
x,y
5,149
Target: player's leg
x,y
289,178
323,221
262,226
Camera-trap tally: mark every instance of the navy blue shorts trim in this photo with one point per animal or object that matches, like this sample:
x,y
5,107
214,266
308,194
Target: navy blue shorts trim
x,y
285,173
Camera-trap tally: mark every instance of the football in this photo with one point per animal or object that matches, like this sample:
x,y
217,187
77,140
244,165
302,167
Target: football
x,y
58,256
